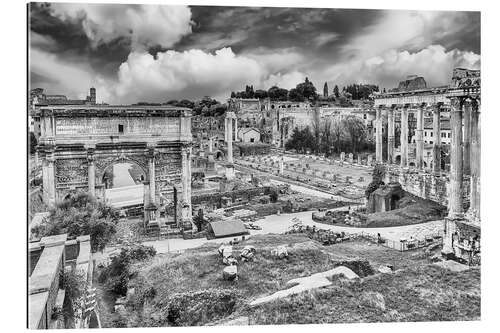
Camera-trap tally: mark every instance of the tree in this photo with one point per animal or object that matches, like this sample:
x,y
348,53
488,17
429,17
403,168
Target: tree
x,y
336,91
33,143
276,93
356,131
117,274
304,91
337,131
377,180
80,214
260,94
301,140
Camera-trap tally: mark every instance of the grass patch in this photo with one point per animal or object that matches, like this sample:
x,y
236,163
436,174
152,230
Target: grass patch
x,y
425,293
188,289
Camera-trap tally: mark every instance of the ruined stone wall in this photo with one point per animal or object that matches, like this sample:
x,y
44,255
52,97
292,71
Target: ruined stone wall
x,y
426,185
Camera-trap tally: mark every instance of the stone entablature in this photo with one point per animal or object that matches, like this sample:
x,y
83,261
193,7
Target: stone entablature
x,y
99,124
429,96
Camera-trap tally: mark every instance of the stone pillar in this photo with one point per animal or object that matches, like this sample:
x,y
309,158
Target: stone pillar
x,y
475,167
467,136
146,195
390,135
229,136
236,130
404,137
456,160
378,135
186,212
420,137
436,130
152,180
210,145
91,173
281,162
48,175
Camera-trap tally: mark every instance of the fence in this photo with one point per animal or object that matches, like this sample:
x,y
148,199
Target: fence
x,y
403,245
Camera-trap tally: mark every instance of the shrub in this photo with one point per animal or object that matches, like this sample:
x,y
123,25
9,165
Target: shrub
x,y
197,308
117,274
80,215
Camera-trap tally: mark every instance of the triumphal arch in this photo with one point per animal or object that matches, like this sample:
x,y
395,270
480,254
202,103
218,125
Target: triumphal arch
x,y
78,143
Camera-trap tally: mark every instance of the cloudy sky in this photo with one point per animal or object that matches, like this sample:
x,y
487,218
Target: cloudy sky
x,y
134,53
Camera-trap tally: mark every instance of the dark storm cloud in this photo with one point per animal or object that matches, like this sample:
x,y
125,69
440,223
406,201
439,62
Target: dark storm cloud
x,y
70,41
314,29
110,46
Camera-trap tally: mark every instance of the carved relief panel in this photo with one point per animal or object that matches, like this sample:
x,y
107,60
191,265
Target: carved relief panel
x,y
71,171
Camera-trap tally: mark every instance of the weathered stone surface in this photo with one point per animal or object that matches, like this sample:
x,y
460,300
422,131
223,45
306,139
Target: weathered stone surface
x,y
280,252
373,299
230,273
314,281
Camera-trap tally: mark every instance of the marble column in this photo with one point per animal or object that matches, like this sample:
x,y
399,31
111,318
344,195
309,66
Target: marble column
x,y
152,175
236,129
390,135
230,143
186,212
455,208
210,145
378,135
49,183
467,136
436,130
404,137
91,174
419,163
475,158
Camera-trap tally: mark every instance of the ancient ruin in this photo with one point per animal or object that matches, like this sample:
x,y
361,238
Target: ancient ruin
x,y
78,144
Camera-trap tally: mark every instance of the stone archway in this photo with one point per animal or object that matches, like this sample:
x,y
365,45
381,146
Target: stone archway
x,y
78,144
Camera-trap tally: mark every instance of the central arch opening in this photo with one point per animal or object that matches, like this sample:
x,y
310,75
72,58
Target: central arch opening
x,y
123,184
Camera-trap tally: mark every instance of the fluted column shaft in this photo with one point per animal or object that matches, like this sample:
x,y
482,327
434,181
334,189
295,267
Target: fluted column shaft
x,y
420,138
475,187
436,129
390,135
152,182
456,160
467,137
404,137
378,136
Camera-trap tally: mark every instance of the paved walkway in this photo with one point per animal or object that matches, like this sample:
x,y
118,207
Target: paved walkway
x,y
279,224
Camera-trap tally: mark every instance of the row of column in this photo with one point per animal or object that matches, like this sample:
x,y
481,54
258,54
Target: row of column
x,y
419,160
465,155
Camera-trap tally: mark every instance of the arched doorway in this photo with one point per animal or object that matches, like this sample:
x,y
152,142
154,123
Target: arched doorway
x,y
123,184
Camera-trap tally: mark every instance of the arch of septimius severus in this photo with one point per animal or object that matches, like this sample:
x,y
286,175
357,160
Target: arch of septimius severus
x,y
78,143
462,183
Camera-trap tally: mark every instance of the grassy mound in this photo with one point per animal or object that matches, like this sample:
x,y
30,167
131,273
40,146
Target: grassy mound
x,y
427,293
187,289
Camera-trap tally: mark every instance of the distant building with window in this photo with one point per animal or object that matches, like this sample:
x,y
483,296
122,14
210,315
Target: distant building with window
x,y
249,135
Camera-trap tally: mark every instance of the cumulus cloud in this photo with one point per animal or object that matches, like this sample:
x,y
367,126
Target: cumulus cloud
x,y
404,30
284,80
188,74
434,63
146,25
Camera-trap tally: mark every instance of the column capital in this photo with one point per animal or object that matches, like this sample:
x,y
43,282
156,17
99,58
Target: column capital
x,y
90,157
456,104
152,152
